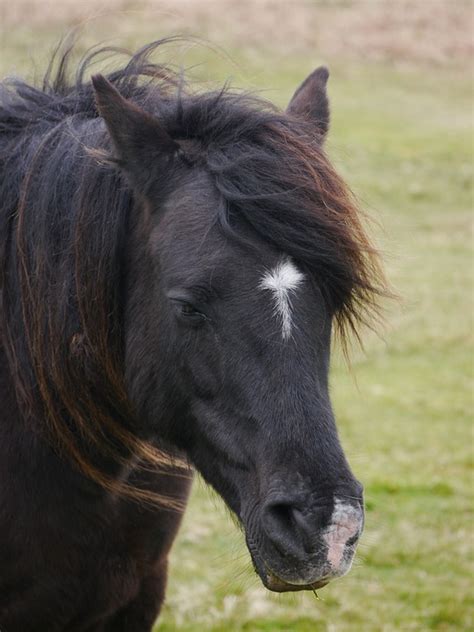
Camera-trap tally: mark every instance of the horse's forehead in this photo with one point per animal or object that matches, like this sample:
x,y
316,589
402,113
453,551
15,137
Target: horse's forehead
x,y
194,240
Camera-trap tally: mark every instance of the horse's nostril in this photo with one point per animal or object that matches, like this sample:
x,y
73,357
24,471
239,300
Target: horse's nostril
x,y
353,540
277,521
286,526
281,514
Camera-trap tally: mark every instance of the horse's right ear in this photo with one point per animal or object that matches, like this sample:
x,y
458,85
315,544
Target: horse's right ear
x,y
143,147
310,101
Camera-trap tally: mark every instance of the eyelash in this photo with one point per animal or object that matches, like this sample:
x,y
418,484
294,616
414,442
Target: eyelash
x,y
187,310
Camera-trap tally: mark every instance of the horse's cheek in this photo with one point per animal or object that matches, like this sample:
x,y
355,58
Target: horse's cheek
x,y
202,373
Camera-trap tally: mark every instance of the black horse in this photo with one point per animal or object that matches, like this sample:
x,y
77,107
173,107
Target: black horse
x,y
172,264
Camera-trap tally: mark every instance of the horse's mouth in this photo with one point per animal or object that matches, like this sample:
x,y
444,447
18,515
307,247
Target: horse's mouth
x,y
274,583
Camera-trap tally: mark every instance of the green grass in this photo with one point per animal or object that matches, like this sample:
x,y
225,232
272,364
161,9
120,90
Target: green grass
x,y
403,140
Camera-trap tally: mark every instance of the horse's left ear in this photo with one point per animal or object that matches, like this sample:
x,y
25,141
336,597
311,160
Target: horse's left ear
x,y
310,101
142,144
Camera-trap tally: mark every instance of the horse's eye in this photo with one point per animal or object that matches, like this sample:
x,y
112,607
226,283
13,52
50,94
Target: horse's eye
x,y
189,312
187,308
184,307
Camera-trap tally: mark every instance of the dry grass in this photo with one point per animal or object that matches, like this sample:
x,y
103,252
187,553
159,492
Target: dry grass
x,y
414,31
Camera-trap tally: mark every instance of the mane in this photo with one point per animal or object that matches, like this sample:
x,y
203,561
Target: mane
x,y
63,224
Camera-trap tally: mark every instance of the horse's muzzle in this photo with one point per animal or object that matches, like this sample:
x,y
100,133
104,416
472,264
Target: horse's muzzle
x,y
301,548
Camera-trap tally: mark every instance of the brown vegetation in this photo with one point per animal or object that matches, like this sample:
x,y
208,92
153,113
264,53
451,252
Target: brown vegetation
x,y
426,31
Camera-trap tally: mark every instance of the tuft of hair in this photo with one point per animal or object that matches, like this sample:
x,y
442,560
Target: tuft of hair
x,y
64,212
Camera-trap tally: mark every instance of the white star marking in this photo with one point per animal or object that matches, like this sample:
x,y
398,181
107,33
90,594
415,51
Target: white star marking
x,y
283,279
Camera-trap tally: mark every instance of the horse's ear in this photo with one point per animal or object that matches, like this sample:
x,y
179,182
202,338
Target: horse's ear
x,y
142,144
310,101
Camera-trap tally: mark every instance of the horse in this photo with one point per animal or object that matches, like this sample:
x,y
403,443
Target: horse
x,y
173,264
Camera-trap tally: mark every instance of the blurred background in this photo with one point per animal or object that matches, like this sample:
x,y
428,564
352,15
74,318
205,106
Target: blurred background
x,y
401,89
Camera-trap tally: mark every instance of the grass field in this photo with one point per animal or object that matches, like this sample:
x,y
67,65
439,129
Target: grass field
x,y
402,136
